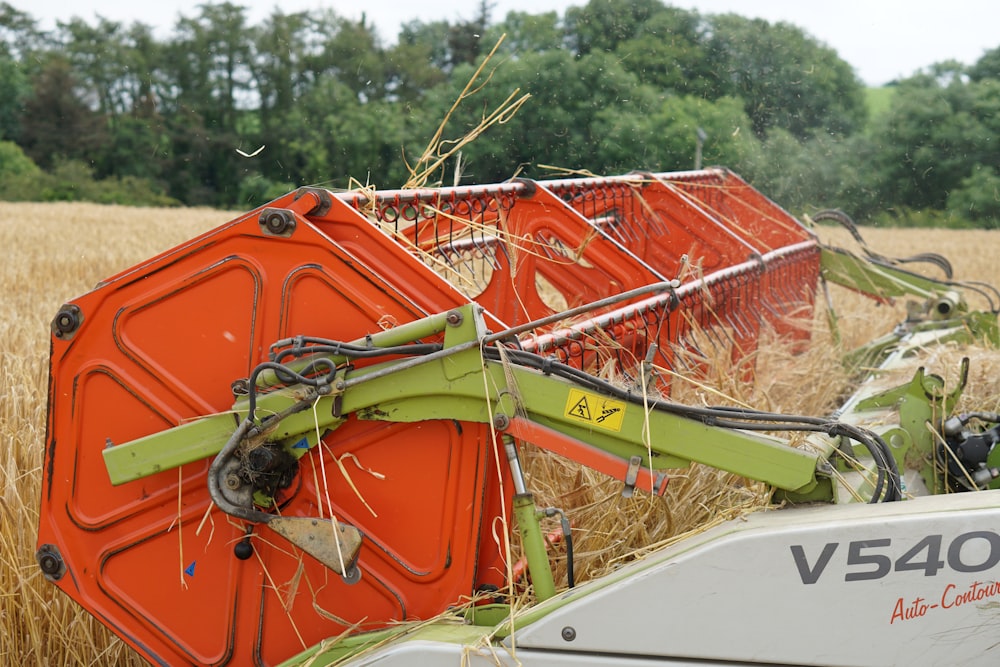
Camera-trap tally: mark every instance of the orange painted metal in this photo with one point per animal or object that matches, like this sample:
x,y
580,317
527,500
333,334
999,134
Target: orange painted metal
x,y
743,261
591,457
161,343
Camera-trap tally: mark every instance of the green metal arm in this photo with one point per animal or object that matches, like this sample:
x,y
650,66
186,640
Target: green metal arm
x,y
598,429
887,282
943,309
458,383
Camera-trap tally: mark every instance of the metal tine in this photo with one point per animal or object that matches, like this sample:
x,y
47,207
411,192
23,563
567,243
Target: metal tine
x,y
584,201
639,220
718,333
653,221
446,252
630,224
784,297
704,321
749,311
627,221
732,317
555,248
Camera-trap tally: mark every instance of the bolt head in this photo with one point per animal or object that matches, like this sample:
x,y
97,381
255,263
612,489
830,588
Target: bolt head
x,y
50,562
67,321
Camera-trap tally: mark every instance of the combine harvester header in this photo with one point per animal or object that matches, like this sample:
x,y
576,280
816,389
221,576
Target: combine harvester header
x,y
296,438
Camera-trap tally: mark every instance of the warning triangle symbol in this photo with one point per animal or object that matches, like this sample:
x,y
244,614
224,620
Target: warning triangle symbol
x,y
581,409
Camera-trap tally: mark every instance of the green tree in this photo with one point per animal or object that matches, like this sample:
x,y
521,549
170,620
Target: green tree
x,y
465,37
669,51
56,123
13,161
821,172
432,38
351,53
601,25
936,131
282,48
977,198
987,67
138,145
665,138
189,158
14,89
118,70
207,64
96,54
206,102
19,33
785,78
559,125
410,70
526,33
19,38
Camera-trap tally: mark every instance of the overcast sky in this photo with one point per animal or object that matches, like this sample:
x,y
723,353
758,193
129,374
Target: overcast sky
x,y
881,39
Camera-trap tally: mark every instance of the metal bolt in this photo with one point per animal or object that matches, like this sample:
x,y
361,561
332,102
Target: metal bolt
x,y
67,321
454,318
568,633
277,222
233,482
501,422
352,575
50,562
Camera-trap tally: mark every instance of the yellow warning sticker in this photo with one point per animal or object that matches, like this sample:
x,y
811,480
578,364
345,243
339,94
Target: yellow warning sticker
x,y
595,409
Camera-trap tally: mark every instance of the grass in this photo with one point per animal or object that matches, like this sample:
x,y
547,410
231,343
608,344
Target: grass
x,y
55,252
58,251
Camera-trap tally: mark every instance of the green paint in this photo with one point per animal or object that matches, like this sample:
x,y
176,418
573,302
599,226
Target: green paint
x,y
534,546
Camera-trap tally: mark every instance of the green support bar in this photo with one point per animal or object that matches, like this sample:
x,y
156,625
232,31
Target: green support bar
x,y
534,546
887,282
193,441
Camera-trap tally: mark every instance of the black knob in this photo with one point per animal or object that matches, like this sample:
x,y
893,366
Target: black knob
x,y
243,549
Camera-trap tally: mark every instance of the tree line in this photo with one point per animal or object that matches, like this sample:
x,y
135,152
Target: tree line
x,y
223,112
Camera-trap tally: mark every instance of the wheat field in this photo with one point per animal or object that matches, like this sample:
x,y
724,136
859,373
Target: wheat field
x,y
55,252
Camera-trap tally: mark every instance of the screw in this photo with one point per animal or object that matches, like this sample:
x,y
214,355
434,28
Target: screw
x,y
568,633
501,422
233,482
454,318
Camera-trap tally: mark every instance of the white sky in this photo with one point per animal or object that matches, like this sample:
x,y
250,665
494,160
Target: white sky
x,y
881,39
